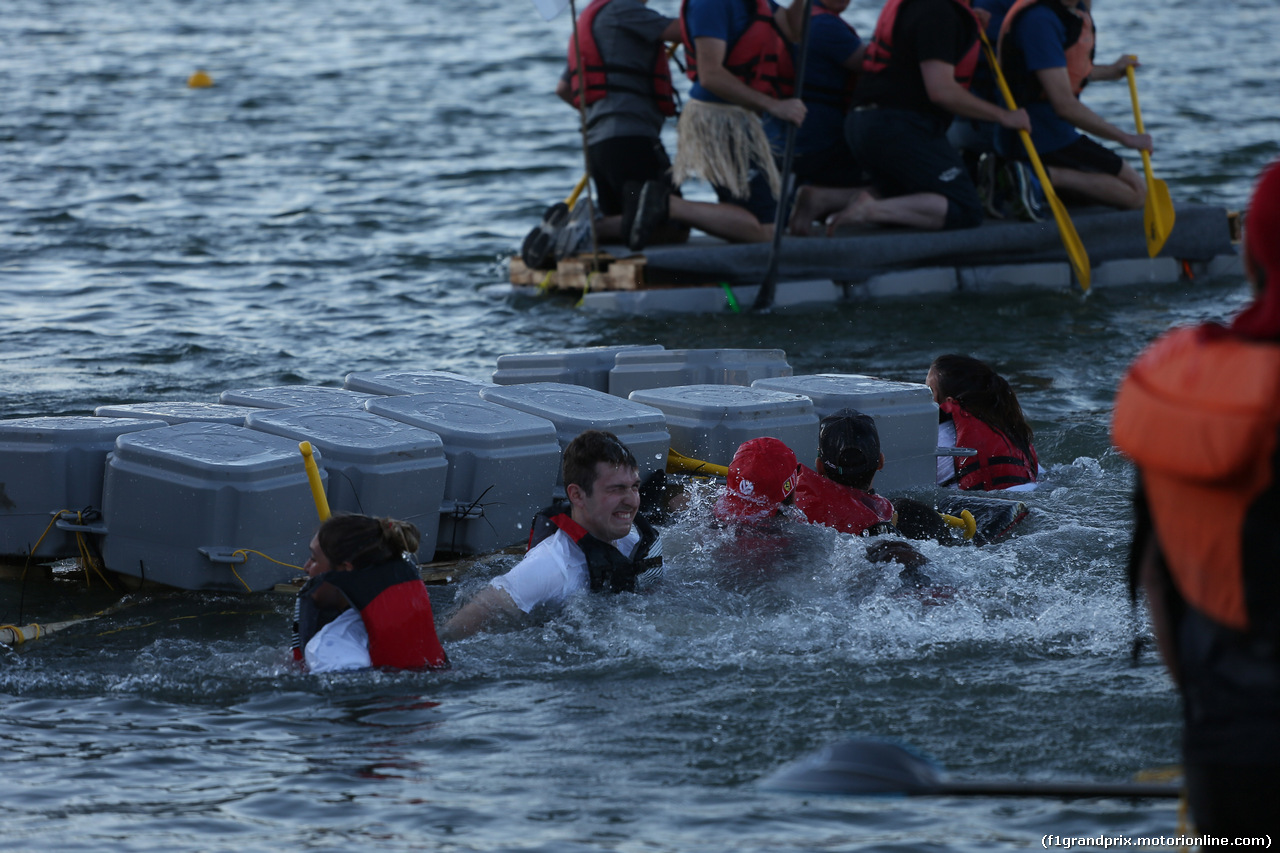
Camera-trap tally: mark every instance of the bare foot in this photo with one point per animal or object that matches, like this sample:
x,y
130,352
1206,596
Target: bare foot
x,y
804,212
854,213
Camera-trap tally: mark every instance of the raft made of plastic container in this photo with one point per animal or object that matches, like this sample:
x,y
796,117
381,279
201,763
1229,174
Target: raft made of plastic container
x,y
574,409
295,396
179,412
376,466
399,382
178,503
708,422
906,419
503,466
51,464
585,366
634,371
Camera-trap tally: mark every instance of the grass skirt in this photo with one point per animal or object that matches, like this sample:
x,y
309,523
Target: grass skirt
x,y
721,143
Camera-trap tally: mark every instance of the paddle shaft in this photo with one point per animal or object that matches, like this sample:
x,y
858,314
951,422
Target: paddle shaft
x,y
1070,239
1071,790
769,284
1158,213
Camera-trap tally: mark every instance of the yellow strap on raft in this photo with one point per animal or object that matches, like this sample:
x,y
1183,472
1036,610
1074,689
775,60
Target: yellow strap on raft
x,y
965,521
313,477
678,463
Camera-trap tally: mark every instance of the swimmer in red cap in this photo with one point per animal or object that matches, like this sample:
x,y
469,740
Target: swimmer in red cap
x,y
1199,415
761,480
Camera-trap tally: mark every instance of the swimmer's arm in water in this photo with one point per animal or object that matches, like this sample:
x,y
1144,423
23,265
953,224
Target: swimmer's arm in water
x,y
478,613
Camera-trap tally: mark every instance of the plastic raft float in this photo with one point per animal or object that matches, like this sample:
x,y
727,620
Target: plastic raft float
x,y
707,275
215,495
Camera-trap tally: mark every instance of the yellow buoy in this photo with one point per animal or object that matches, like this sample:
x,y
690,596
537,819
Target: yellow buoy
x,y
199,80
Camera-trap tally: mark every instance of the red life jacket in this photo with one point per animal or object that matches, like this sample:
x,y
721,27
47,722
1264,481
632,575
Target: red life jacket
x,y
1000,463
1198,413
609,569
602,77
396,612
849,510
758,58
841,98
880,48
1078,49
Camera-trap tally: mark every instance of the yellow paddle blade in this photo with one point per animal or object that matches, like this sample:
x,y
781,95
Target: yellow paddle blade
x,y
1157,213
678,463
965,521
1076,253
577,191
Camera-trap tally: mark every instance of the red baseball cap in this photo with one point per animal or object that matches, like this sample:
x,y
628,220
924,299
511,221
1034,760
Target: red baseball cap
x,y
761,476
1261,319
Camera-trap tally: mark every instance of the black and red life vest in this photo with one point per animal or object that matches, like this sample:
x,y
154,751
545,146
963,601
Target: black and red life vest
x,y
1199,414
1000,462
394,607
604,77
849,510
610,570
759,57
1079,48
880,49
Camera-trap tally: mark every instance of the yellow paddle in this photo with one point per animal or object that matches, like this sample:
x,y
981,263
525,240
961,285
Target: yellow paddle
x,y
678,463
1070,239
1157,214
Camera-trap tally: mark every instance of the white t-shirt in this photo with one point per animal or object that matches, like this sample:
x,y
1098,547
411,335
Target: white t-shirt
x,y
341,645
556,569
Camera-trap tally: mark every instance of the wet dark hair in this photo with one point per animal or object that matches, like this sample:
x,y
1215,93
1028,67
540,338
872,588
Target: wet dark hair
x,y
849,448
363,540
983,393
593,446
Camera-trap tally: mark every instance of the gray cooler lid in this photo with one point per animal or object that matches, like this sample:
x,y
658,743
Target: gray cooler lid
x,y
289,396
350,435
396,382
179,412
475,424
70,429
574,407
699,400
831,392
217,451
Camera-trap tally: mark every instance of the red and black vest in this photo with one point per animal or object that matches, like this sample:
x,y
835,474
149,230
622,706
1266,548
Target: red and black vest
x,y
394,607
759,57
610,570
880,48
849,510
1079,48
1199,414
1000,462
603,77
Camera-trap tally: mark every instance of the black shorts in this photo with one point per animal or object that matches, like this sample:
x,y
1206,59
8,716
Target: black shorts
x,y
760,200
833,166
1083,155
617,161
906,152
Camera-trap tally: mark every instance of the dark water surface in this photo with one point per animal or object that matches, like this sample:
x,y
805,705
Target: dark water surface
x,y
337,202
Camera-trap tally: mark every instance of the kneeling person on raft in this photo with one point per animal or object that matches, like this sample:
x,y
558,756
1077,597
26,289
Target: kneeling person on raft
x,y
598,543
365,604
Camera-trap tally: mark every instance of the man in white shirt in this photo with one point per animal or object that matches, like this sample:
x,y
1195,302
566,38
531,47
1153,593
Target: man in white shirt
x,y
600,544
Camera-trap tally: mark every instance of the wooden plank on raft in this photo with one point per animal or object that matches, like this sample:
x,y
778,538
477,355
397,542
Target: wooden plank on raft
x,y
572,274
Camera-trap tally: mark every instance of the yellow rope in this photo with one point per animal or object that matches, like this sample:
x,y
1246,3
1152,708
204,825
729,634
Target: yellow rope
x,y
245,552
87,561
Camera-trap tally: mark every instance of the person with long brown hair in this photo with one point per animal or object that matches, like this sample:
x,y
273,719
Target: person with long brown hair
x,y
979,410
365,603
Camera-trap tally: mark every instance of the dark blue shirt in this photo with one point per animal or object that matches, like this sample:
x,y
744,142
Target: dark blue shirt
x,y
726,20
831,42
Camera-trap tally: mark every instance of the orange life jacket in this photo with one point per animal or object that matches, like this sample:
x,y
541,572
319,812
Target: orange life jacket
x,y
1000,463
1078,49
1198,413
758,58
603,77
880,48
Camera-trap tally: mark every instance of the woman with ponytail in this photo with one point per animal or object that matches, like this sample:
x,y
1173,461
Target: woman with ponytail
x,y
365,603
978,410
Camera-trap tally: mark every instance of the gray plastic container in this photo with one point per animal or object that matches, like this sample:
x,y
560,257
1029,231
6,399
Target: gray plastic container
x,y
399,382
574,409
178,412
502,467
295,396
708,422
376,466
906,419
50,464
635,371
585,366
178,501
